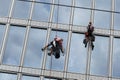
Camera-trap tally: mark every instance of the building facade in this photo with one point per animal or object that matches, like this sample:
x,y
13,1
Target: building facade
x,y
28,25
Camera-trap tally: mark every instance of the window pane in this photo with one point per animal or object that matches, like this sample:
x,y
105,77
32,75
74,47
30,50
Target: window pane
x,y
100,55
2,30
48,1
81,17
57,64
117,5
41,12
14,45
21,9
30,78
83,3
64,2
116,58
77,57
5,76
33,56
4,7
61,14
106,4
116,21
99,22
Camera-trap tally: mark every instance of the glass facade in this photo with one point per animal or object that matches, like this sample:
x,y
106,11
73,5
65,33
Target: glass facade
x,y
26,26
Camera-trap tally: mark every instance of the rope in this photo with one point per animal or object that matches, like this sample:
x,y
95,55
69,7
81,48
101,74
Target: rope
x,y
57,17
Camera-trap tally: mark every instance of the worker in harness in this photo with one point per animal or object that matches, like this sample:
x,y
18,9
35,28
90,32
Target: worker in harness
x,y
56,47
89,35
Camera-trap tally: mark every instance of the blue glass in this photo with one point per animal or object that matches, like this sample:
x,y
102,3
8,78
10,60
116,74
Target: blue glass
x,y
102,19
57,64
14,46
5,76
41,12
5,7
106,4
116,21
85,3
117,5
116,58
81,17
33,57
47,1
30,78
2,30
77,55
99,56
63,2
21,9
61,14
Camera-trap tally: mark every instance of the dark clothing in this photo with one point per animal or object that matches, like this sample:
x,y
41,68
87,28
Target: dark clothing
x,y
56,47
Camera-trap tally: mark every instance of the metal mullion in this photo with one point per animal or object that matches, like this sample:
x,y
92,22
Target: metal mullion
x,y
89,52
111,41
47,38
25,42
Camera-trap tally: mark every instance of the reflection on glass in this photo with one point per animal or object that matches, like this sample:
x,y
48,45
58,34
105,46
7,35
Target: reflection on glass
x,y
41,12
99,56
116,21
14,45
117,5
2,30
78,54
21,9
81,17
99,22
106,4
33,56
30,78
5,76
116,58
63,2
85,3
4,7
57,64
61,14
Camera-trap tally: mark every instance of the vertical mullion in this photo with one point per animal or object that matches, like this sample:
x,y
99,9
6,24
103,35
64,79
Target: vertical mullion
x,y
111,41
89,52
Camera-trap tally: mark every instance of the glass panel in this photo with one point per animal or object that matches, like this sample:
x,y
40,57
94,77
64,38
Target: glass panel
x,y
116,58
48,1
61,14
57,64
30,78
106,4
117,5
85,3
81,17
5,76
116,21
35,40
100,55
2,30
99,22
4,7
77,53
41,12
64,2
14,45
18,9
